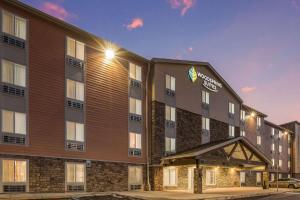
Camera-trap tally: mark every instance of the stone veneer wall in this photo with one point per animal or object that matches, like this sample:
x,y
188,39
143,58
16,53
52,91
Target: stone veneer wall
x,y
48,174
156,178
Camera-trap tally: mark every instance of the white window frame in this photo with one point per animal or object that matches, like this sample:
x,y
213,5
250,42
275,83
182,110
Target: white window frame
x,y
135,72
136,137
231,108
205,123
167,174
15,17
280,148
207,180
273,162
170,82
77,86
172,144
26,182
170,113
205,97
273,146
75,53
136,169
75,182
280,163
14,122
258,140
14,78
231,131
258,122
273,131
243,133
258,178
76,124
135,106
243,115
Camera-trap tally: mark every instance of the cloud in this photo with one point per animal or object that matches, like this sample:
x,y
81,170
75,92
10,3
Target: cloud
x,y
295,4
190,49
135,23
183,5
248,89
56,10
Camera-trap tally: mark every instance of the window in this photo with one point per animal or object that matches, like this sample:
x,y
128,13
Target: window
x,y
243,115
280,134
135,106
135,175
258,121
75,90
289,150
75,49
231,108
289,164
170,176
135,140
14,25
231,131
272,131
135,72
13,73
75,172
258,140
289,138
170,82
75,131
280,163
243,133
170,113
210,177
272,177
205,97
279,176
289,175
258,177
13,122
170,144
273,147
273,162
14,171
280,148
205,123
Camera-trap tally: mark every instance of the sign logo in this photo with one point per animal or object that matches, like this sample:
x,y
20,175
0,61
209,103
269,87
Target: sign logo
x,y
209,83
192,74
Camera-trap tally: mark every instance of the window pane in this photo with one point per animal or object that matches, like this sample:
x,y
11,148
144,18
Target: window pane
x,y
173,114
173,83
131,175
20,171
203,96
71,47
80,173
168,144
172,176
207,124
138,107
70,172
79,91
20,30
168,112
79,132
8,171
8,23
203,123
132,142
7,72
138,141
138,73
132,105
70,89
20,123
7,121
20,75
173,144
70,130
207,97
79,50
168,82
132,70
139,175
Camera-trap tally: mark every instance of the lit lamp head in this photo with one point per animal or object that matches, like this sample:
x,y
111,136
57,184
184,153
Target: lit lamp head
x,y
285,133
109,54
252,114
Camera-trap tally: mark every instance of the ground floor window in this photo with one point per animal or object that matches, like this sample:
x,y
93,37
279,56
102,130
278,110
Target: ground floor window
x,y
170,144
258,177
135,177
272,177
75,176
280,176
243,177
170,176
210,176
14,171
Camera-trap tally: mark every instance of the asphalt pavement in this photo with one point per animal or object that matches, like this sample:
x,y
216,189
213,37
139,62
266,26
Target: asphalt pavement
x,y
283,196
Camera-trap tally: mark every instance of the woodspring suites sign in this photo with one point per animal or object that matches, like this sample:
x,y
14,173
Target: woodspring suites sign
x,y
208,82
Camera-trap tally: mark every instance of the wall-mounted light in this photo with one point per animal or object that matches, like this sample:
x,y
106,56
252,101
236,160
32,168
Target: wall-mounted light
x,y
109,53
252,114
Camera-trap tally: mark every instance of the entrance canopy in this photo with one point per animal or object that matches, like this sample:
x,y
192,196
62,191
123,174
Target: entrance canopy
x,y
231,152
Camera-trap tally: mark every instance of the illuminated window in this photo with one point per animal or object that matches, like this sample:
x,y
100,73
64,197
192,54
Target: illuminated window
x,y
75,49
205,123
170,82
210,177
135,140
258,177
14,25
273,162
75,131
135,175
170,144
280,148
231,131
231,108
14,171
289,164
273,147
13,73
279,176
258,121
243,115
289,150
272,131
258,140
75,173
280,163
135,106
243,133
170,176
135,72
280,134
272,177
75,90
170,113
205,97
13,122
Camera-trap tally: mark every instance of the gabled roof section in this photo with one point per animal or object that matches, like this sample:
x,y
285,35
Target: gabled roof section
x,y
189,62
250,109
231,145
277,126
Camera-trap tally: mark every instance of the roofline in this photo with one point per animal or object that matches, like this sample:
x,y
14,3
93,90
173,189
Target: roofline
x,y
256,111
190,62
277,126
66,25
292,122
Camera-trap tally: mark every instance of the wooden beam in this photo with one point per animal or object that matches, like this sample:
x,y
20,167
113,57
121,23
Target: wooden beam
x,y
232,151
244,151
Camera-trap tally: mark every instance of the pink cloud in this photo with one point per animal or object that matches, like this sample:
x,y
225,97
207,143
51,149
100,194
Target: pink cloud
x,y
190,49
183,5
135,23
56,10
248,89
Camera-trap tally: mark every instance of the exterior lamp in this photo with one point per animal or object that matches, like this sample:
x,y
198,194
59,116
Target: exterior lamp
x,y
109,54
285,133
252,114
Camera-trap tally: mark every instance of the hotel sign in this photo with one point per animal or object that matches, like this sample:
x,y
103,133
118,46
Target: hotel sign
x,y
209,83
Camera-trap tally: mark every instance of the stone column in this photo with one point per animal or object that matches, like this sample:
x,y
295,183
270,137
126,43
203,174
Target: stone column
x,y
198,180
265,179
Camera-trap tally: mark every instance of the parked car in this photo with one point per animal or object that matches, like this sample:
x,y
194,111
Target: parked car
x,y
286,183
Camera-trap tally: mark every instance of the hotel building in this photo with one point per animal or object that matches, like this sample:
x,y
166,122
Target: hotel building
x,y
76,118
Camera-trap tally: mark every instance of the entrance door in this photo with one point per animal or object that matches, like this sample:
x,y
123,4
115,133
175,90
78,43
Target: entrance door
x,y
242,178
191,179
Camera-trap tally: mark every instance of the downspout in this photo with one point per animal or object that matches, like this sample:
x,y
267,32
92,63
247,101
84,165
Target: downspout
x,y
147,129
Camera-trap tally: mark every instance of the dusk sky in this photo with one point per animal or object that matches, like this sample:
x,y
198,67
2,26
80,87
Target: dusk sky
x,y
253,44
